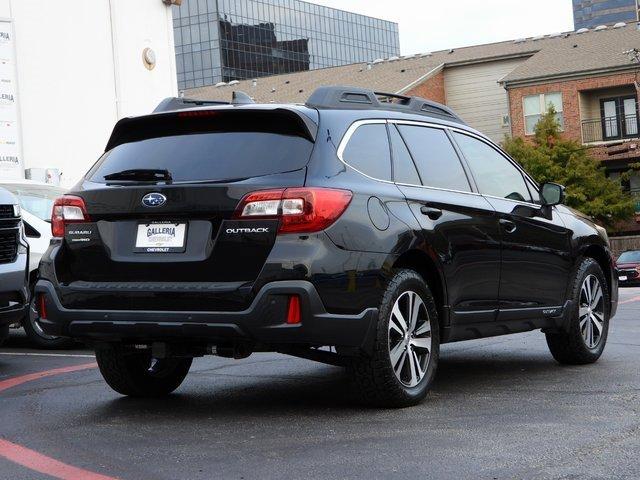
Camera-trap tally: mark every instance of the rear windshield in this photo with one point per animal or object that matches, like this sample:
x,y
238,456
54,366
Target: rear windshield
x,y
632,256
209,149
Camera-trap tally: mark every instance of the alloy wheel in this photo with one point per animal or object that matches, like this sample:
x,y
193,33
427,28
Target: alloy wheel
x,y
591,311
409,339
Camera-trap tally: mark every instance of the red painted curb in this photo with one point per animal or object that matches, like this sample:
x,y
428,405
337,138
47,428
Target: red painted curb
x,y
33,460
630,300
12,382
41,463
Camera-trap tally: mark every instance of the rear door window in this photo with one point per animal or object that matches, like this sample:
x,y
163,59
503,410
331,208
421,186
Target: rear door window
x,y
216,148
435,157
368,151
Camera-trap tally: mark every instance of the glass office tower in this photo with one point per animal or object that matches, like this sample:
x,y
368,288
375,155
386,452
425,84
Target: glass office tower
x,y
591,13
224,40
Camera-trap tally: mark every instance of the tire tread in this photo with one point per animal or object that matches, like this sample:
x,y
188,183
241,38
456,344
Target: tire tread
x,y
373,377
567,347
119,375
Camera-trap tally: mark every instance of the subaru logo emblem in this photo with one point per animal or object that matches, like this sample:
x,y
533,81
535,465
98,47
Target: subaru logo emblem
x,y
154,199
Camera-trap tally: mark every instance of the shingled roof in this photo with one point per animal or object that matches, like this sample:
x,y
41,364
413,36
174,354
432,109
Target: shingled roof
x,y
591,52
551,56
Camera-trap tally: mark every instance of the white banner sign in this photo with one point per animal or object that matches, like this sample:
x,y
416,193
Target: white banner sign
x,y
10,151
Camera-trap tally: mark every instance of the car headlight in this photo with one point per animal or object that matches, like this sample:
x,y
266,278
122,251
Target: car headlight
x,y
16,210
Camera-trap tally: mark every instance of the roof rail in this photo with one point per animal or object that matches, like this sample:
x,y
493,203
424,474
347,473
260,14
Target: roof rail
x,y
179,103
356,97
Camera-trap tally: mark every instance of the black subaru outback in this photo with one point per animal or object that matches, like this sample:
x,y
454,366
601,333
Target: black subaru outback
x,y
359,229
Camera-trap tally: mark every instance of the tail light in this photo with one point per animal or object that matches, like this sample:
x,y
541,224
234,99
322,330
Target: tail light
x,y
300,210
67,209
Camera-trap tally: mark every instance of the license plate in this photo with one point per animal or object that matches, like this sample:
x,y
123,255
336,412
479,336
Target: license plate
x,y
161,237
622,278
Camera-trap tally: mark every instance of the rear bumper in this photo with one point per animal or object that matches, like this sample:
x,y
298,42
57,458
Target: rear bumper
x,y
14,290
263,322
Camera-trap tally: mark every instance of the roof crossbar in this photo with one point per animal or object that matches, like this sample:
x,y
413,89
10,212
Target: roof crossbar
x,y
356,97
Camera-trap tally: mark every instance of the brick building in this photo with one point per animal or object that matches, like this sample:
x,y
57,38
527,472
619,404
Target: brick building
x,y
502,88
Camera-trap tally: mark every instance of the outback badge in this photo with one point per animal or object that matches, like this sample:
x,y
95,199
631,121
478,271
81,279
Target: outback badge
x,y
154,199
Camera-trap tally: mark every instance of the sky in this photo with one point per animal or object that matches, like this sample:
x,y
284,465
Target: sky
x,y
430,25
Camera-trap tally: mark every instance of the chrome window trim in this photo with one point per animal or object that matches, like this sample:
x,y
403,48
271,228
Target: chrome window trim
x,y
358,123
345,141
355,125
438,189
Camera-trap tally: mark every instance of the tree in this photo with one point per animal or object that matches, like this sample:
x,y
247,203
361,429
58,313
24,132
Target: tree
x,y
550,158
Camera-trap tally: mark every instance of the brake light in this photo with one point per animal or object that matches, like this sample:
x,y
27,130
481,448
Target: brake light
x,y
197,113
67,209
300,210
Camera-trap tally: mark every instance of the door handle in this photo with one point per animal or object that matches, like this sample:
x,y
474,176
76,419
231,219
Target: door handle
x,y
508,225
431,212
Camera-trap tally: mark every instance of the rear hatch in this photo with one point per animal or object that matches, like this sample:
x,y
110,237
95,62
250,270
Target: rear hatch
x,y
160,204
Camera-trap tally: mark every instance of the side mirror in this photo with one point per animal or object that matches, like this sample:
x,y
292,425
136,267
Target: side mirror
x,y
552,194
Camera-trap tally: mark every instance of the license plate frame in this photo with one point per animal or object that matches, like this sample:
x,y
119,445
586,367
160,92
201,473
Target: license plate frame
x,y
162,241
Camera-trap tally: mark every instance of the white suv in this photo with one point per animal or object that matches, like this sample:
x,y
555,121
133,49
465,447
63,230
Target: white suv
x,y
36,200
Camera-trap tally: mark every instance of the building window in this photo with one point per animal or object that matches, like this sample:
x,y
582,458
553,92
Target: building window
x,y
536,105
254,38
619,117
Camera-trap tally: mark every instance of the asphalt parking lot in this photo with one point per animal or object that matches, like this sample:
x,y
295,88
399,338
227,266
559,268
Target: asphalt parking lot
x,y
501,408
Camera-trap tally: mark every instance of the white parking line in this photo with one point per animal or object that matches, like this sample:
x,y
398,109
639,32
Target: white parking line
x,y
29,354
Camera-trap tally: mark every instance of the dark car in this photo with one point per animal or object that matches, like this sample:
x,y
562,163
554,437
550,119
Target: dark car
x,y
14,264
628,264
359,229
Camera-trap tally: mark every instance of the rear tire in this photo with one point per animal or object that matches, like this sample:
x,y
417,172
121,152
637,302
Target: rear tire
x,y
406,351
130,372
588,327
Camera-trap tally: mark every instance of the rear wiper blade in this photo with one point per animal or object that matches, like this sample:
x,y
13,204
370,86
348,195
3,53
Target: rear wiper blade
x,y
141,174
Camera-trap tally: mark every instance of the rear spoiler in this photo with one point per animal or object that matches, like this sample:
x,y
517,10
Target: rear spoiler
x,y
188,120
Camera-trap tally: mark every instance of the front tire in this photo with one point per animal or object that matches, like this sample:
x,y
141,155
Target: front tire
x,y
405,356
586,335
136,374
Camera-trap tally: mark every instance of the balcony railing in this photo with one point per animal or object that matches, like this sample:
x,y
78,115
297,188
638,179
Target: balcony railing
x,y
605,129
